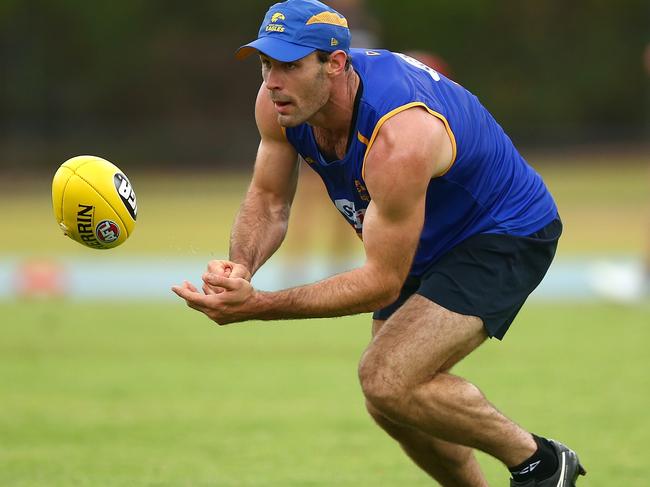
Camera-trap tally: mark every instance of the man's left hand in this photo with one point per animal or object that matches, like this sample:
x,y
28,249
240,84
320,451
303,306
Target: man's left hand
x,y
230,306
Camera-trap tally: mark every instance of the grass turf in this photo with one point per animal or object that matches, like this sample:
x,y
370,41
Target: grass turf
x,y
603,200
153,395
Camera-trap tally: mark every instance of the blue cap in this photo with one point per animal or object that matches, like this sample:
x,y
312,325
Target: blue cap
x,y
294,29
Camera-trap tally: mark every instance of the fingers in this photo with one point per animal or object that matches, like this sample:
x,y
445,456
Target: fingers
x,y
223,298
207,289
227,268
240,271
220,267
235,290
226,283
217,267
190,286
209,305
191,295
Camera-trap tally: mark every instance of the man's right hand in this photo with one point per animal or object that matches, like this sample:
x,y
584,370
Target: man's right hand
x,y
224,268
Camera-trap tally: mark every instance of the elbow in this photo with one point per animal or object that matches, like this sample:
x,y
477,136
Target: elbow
x,y
387,300
388,293
383,285
275,205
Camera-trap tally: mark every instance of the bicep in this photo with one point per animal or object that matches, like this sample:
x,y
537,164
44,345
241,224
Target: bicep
x,y
276,171
390,238
276,164
410,149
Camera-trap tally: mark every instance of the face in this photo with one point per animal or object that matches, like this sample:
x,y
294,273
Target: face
x,y
298,89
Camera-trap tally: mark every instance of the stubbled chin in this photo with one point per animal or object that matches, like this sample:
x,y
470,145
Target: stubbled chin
x,y
286,121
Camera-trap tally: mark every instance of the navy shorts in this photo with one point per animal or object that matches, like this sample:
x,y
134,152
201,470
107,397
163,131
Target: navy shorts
x,y
488,275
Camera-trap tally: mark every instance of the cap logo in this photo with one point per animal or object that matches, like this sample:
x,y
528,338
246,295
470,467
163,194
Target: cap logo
x,y
334,42
273,27
328,18
277,16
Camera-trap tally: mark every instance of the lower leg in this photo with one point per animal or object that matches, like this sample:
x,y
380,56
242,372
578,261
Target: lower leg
x,y
404,375
452,409
450,464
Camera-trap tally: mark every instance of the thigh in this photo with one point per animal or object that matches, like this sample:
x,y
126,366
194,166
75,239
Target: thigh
x,y
422,338
376,326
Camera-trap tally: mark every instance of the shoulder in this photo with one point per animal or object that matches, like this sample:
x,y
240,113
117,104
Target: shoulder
x,y
390,86
410,144
383,79
267,118
401,163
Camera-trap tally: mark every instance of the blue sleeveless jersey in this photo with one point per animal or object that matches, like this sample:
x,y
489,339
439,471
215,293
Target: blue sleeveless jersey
x,y
489,187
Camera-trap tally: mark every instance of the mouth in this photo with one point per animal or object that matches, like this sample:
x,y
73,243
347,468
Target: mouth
x,y
281,106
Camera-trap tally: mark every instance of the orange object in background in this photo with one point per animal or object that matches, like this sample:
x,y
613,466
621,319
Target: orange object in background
x,y
40,278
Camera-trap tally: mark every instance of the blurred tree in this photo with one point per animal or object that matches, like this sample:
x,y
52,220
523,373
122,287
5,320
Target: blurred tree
x,y
155,81
547,69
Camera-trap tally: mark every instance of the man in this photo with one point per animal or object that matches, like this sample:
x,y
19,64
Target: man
x,y
457,231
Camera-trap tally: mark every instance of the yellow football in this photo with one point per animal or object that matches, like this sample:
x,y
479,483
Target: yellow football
x,y
94,202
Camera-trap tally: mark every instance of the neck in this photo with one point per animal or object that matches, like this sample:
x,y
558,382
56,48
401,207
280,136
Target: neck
x,y
336,114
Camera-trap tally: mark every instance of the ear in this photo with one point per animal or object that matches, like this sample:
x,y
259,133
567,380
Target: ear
x,y
336,64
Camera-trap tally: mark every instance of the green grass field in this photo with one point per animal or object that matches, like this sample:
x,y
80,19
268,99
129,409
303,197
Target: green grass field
x,y
115,394
603,199
154,395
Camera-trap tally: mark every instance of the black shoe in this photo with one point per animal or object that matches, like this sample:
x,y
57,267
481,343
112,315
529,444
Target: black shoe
x,y
567,472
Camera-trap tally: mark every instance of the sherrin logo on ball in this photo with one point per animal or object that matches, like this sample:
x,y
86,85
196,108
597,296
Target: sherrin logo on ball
x,y
94,202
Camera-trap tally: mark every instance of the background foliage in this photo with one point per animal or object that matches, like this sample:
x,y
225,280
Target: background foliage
x,y
154,82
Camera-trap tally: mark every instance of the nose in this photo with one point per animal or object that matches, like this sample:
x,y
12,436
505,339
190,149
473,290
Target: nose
x,y
273,81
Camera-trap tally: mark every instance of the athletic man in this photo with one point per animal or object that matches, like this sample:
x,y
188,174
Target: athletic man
x,y
456,227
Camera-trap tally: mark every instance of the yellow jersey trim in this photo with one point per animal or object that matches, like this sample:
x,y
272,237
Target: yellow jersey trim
x,y
399,109
362,139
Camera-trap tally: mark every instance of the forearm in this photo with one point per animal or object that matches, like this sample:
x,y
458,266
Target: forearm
x,y
258,231
358,291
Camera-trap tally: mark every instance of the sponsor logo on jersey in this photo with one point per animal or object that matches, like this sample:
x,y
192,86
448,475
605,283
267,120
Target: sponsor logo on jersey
x,y
85,215
107,231
349,211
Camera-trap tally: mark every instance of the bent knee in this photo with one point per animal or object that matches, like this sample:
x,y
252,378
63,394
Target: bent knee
x,y
385,394
378,416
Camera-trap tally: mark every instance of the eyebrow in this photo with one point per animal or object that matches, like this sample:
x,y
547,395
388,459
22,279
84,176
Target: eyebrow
x,y
264,57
